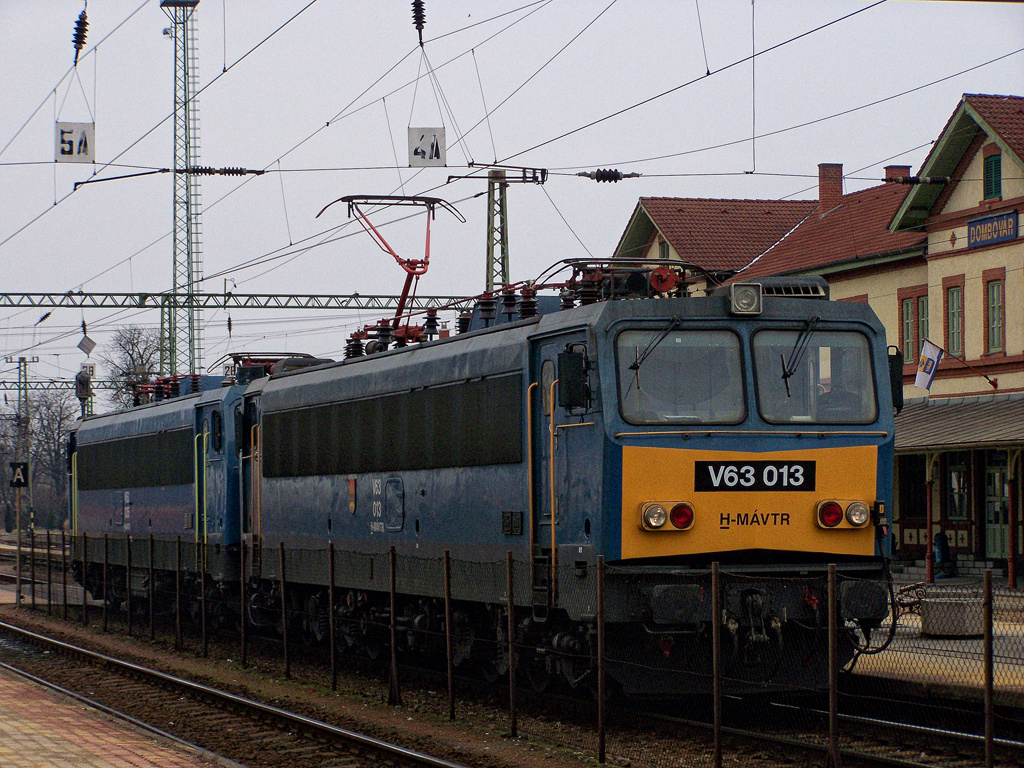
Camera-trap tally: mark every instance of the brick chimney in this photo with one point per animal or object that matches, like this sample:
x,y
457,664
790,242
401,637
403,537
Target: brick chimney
x,y
830,186
896,172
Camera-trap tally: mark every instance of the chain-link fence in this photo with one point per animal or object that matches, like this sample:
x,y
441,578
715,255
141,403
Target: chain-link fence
x,y
618,650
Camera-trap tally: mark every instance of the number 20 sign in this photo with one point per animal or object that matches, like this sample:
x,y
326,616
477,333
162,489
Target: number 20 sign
x,y
75,143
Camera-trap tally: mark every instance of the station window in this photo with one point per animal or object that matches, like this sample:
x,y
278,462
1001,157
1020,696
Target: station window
x,y
956,486
955,320
663,249
994,311
913,321
909,312
993,176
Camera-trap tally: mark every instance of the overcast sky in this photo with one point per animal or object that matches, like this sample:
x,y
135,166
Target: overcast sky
x,y
320,94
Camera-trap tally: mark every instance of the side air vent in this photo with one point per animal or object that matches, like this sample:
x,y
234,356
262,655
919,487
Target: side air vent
x,y
810,287
798,291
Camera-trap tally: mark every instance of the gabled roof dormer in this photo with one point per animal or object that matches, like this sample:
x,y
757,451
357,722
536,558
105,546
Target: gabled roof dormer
x,y
979,119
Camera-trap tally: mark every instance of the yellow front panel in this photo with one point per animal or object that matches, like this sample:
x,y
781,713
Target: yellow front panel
x,y
728,520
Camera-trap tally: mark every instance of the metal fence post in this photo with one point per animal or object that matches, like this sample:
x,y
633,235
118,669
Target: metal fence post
x,y
64,569
85,569
106,581
284,618
32,563
201,566
449,641
49,576
833,671
241,604
716,659
989,671
152,578
331,618
177,595
128,580
601,714
394,693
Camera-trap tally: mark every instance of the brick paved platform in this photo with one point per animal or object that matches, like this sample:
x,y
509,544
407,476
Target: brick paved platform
x,y
40,728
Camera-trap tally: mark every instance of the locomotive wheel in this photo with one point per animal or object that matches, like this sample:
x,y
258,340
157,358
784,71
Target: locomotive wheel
x,y
315,621
538,674
493,655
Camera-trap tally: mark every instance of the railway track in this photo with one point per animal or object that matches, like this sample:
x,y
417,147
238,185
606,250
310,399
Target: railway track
x,y
249,732
788,729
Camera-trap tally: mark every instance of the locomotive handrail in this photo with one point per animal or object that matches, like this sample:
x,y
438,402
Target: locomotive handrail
x,y
551,469
529,458
257,472
579,424
195,483
206,485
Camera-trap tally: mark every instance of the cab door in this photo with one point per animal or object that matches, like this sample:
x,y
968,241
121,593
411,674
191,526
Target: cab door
x,y
249,443
554,471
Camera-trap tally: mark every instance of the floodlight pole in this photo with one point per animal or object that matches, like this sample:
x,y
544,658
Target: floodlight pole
x,y
181,345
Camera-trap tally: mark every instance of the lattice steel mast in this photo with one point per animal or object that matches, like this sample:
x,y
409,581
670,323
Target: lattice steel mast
x,y
181,346
497,231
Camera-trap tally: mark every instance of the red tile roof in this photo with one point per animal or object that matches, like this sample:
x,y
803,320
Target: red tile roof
x,y
976,112
856,229
723,235
1004,114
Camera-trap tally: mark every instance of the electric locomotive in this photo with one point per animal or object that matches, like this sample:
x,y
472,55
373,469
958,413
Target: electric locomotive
x,y
653,430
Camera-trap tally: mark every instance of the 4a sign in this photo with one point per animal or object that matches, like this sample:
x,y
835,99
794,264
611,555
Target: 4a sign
x,y
19,474
75,143
426,147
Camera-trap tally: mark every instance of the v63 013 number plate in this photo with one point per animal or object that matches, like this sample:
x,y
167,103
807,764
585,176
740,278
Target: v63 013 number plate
x,y
753,476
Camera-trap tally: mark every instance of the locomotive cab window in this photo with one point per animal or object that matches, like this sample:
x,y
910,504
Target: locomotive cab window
x,y
680,376
821,377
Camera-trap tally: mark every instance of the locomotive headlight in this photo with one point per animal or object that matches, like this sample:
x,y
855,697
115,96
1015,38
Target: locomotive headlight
x,y
857,514
745,298
655,516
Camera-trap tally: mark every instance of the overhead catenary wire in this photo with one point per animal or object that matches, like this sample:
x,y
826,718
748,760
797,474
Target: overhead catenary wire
x,y
688,83
297,170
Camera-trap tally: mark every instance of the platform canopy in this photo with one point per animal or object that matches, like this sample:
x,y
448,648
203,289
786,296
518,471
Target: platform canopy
x,y
961,423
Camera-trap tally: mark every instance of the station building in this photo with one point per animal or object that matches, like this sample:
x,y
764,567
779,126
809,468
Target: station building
x,y
938,256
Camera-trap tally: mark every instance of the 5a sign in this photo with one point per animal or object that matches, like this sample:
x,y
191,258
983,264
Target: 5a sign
x,y
19,474
75,143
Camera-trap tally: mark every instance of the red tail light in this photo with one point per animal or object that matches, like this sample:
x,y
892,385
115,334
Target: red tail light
x,y
681,516
830,514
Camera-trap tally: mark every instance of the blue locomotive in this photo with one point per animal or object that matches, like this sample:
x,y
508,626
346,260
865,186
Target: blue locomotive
x,y
626,420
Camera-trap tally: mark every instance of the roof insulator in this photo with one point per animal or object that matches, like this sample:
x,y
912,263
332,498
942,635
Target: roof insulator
x,y
419,18
81,30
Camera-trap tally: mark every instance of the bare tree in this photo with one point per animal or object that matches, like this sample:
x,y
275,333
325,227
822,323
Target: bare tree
x,y
8,453
132,355
53,414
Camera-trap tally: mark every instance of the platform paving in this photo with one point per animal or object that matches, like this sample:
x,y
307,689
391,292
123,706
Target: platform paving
x,y
41,728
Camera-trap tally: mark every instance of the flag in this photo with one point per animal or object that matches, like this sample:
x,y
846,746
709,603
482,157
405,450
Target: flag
x,y
927,365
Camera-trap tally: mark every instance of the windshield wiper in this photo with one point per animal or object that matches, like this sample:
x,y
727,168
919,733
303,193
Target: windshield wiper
x,y
641,356
789,367
672,325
